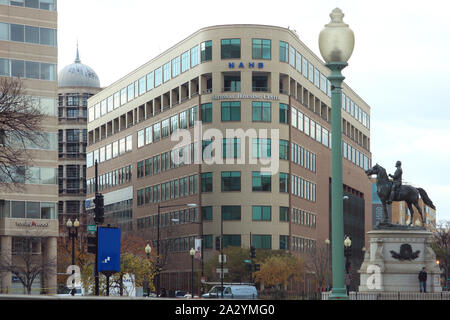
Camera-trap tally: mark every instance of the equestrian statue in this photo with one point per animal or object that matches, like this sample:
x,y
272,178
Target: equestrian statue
x,y
393,190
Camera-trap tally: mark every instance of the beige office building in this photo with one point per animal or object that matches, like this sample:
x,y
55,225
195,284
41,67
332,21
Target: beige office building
x,y
269,182
28,218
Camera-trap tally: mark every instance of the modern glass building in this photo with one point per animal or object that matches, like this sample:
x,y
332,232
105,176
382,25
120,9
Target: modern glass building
x,y
261,161
28,217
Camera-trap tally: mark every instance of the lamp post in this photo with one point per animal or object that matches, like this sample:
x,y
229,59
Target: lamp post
x,y
192,253
336,42
347,253
327,244
73,233
147,250
190,205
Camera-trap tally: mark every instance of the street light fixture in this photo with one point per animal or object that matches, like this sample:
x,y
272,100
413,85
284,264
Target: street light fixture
x,y
147,250
158,278
327,243
73,233
336,43
192,253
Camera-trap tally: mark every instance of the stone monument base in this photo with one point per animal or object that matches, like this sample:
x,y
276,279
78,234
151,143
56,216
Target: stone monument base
x,y
394,259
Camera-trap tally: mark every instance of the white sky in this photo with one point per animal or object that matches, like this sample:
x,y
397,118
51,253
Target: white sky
x,y
399,65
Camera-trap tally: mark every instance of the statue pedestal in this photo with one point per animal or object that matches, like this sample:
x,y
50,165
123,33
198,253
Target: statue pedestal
x,y
394,260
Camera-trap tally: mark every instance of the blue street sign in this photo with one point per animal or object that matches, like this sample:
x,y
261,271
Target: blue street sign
x,y
108,249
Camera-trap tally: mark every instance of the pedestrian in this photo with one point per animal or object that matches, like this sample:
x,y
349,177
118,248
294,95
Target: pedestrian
x,y
423,280
348,281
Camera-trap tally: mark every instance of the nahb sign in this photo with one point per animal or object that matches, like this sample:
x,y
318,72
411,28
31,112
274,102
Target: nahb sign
x,y
250,65
108,259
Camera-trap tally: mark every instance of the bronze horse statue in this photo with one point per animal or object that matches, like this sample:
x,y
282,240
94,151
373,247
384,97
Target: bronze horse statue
x,y
405,193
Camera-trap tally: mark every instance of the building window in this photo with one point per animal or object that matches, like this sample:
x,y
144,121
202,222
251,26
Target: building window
x,y
175,67
206,51
284,113
284,182
158,77
166,72
231,181
261,111
284,149
164,128
231,213
206,182
262,241
233,240
231,111
261,148
232,83
261,213
207,213
231,148
284,51
260,81
261,181
230,49
206,112
284,242
261,49
195,56
284,214
185,61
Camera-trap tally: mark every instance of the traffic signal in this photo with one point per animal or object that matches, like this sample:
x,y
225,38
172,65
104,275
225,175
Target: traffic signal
x,y
217,243
99,210
252,252
92,244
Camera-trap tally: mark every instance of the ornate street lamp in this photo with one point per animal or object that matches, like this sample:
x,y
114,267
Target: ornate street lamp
x,y
347,253
327,244
336,42
73,234
192,253
147,250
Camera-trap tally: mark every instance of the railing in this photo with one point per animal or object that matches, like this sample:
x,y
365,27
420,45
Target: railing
x,y
445,295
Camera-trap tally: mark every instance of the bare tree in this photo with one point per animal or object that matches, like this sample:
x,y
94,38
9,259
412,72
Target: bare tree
x,y
26,262
441,246
20,128
317,263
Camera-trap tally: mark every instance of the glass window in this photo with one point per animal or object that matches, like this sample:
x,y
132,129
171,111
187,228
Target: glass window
x,y
17,32
261,148
284,113
316,78
231,212
18,68
123,96
206,112
298,62
48,210
130,91
115,149
231,111
294,117
261,181
166,72
231,181
185,61
192,116
17,209
305,67
48,37
195,56
33,210
300,121
261,49
4,31
165,128
261,111
32,70
140,138
284,182
183,120
292,57
261,213
230,48
150,81
260,81
175,67
32,4
129,143
207,213
47,5
108,151
323,83
173,123
284,51
158,77
32,34
232,83
48,72
284,149
231,148
262,241
148,135
4,67
284,214
206,51
156,131
206,182
48,175
284,242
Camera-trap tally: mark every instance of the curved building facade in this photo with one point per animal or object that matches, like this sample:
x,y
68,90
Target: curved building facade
x,y
259,168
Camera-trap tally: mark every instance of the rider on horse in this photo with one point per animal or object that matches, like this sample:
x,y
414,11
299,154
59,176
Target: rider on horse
x,y
396,181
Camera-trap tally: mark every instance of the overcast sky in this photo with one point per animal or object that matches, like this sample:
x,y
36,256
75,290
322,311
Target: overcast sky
x,y
400,64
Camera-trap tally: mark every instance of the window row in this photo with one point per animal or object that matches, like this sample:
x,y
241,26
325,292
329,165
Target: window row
x,y
28,34
303,157
29,175
44,141
356,156
110,151
27,69
36,4
153,79
28,209
174,189
297,61
303,245
231,181
355,111
309,127
303,188
183,216
111,179
304,218
168,126
73,99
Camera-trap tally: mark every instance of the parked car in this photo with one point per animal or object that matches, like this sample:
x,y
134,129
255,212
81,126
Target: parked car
x,y
233,292
180,294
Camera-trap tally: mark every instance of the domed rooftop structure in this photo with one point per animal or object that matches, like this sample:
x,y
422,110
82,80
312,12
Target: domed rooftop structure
x,y
78,75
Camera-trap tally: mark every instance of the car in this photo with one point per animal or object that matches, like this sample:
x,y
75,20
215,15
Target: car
x,y
233,292
66,292
180,294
